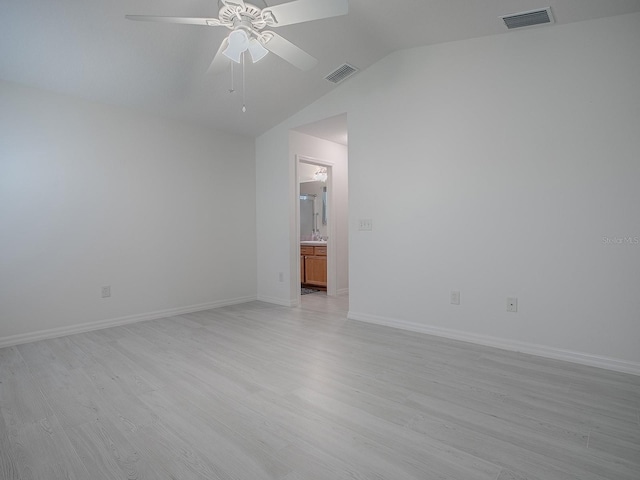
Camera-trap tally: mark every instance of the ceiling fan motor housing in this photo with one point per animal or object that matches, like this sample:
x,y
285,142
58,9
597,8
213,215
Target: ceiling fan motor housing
x,y
232,16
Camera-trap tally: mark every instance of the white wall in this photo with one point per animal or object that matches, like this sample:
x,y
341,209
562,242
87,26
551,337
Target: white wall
x,y
92,195
495,167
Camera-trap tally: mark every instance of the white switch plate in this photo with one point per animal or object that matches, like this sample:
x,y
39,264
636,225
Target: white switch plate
x,y
455,298
512,304
106,291
365,224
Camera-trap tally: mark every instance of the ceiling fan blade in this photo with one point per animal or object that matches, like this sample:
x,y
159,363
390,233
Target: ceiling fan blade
x,y
288,51
220,62
235,3
207,22
300,11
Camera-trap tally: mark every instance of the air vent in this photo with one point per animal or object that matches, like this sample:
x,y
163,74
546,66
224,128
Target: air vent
x,y
341,73
528,19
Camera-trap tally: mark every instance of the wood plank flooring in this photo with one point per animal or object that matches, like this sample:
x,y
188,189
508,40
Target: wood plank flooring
x,y
258,391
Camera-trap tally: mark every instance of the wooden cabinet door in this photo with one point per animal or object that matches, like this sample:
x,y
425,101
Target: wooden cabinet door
x,y
315,269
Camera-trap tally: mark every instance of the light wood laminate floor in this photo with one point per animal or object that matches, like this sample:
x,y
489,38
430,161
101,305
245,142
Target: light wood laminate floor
x,y
257,391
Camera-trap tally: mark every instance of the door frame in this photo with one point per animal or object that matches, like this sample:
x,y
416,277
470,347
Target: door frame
x,y
332,270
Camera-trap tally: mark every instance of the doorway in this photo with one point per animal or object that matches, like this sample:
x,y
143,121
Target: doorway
x,y
322,144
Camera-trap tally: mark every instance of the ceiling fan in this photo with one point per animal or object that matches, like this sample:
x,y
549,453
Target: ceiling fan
x,y
248,23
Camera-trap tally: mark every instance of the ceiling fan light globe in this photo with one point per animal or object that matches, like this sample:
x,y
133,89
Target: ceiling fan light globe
x,y
232,54
239,39
257,51
238,43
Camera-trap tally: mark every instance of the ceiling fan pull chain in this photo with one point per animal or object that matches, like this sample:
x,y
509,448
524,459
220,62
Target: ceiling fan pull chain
x,y
244,105
232,89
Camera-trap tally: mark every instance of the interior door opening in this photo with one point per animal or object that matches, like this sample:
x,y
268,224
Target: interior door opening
x,y
319,154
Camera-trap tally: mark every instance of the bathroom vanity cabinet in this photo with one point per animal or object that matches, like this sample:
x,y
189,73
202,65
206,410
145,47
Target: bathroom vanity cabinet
x,y
313,265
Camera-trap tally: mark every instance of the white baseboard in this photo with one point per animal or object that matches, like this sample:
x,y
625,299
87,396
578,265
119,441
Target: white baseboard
x,y
607,363
342,291
114,322
277,301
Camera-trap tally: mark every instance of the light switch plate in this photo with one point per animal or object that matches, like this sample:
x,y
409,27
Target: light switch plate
x,y
365,224
455,298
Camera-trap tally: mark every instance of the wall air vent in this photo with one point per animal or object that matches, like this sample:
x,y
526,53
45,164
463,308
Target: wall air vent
x,y
528,19
341,73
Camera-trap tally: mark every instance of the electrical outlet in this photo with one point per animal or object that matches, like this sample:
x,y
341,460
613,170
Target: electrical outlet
x,y
512,304
106,291
365,224
455,298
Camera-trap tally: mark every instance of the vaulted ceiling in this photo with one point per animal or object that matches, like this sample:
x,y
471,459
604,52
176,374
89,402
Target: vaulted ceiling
x,y
87,49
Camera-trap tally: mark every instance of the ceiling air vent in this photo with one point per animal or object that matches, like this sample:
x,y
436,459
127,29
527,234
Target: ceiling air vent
x,y
341,73
528,19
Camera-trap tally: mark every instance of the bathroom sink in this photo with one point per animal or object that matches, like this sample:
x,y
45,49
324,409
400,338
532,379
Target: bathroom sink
x,y
313,242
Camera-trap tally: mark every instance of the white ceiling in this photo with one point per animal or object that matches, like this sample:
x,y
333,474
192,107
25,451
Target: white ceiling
x,y
89,50
333,129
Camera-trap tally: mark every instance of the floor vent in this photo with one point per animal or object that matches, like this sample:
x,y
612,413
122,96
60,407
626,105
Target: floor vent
x,y
341,73
528,19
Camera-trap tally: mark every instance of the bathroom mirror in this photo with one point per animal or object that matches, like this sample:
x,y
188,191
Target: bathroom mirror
x,y
307,216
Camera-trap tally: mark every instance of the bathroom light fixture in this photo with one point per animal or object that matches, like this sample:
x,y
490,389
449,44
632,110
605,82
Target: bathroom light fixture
x,y
320,175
